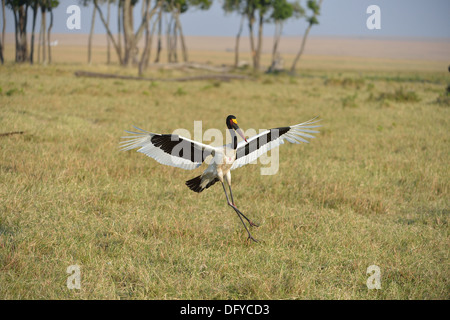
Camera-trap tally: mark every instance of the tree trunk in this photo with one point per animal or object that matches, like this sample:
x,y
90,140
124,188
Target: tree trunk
x,y
302,47
180,32
276,41
236,47
16,29
1,53
260,40
221,77
174,41
20,19
4,25
252,40
150,38
111,37
91,33
152,31
169,42
158,50
130,52
119,33
134,50
43,27
39,43
143,63
35,10
129,36
126,31
145,58
48,35
108,44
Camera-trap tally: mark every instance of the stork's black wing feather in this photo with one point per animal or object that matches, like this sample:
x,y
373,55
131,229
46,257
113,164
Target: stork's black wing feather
x,y
258,145
169,149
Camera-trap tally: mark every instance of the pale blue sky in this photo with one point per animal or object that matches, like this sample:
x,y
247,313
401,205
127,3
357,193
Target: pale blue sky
x,y
399,18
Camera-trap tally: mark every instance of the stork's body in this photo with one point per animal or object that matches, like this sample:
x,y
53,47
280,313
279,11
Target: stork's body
x,y
188,154
218,170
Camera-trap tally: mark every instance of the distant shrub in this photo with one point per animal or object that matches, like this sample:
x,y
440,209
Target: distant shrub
x,y
292,80
345,82
444,98
13,91
153,84
180,92
399,95
212,84
349,101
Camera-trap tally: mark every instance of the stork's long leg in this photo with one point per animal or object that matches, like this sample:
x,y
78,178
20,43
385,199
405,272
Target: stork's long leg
x,y
234,207
238,213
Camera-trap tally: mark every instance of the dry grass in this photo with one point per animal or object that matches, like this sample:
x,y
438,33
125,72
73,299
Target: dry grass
x,y
372,188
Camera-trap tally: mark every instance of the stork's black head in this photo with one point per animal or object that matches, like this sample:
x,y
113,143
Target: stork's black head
x,y
232,124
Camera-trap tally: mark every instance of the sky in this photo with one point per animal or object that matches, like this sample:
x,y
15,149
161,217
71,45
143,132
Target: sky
x,y
398,18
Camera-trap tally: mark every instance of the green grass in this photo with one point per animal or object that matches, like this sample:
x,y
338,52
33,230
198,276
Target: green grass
x,y
371,189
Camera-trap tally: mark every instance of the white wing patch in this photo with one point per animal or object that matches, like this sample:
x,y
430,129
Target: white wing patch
x,y
294,134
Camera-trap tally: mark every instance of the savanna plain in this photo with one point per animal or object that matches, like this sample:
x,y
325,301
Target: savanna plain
x,y
371,189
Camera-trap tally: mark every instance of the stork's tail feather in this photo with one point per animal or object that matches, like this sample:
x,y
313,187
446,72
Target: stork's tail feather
x,y
195,184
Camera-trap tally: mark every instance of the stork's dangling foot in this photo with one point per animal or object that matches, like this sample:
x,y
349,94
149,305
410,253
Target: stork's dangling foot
x,y
239,213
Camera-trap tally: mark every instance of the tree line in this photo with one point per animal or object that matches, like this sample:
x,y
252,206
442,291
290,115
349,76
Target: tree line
x,y
21,10
157,16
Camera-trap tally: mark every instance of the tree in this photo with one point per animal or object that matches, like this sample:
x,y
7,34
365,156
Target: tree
x,y
282,10
1,53
35,8
91,33
2,42
20,10
41,44
174,29
159,42
145,58
314,6
108,43
127,54
50,5
238,6
263,7
254,11
44,46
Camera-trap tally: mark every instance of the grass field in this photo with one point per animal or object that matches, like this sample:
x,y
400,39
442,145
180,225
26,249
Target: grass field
x,y
371,189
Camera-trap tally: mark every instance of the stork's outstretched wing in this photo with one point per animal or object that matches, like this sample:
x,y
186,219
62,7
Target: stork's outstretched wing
x,y
258,145
168,149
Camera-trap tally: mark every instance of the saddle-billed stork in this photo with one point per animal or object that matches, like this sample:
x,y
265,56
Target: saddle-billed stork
x,y
173,150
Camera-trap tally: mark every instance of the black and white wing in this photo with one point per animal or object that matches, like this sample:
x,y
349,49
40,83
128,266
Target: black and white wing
x,y
168,149
256,146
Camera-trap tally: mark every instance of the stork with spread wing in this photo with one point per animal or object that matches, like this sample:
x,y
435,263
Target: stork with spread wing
x,y
173,150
